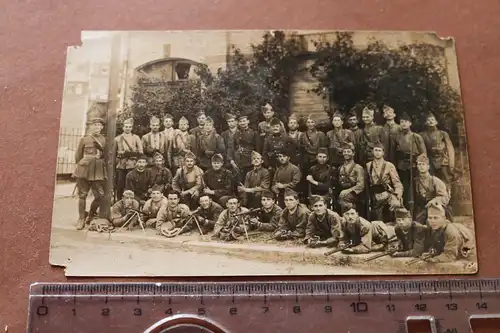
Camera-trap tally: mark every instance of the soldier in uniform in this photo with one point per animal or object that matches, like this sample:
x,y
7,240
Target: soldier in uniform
x,y
408,147
385,188
337,138
411,235
275,142
90,172
173,215
286,176
188,181
293,219
122,211
127,147
160,175
448,241
357,133
138,180
265,126
362,235
351,181
257,180
321,177
294,134
228,226
440,151
153,205
153,141
267,219
246,140
168,136
218,181
200,119
207,144
228,137
428,189
324,226
207,213
181,145
391,131
369,135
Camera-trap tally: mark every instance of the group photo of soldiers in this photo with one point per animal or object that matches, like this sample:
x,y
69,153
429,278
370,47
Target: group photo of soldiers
x,y
360,187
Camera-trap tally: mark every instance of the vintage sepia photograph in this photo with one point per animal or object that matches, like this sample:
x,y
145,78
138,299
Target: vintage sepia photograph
x,y
262,152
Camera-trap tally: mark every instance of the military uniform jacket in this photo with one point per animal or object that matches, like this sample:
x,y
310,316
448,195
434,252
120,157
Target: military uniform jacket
x,y
430,187
206,146
383,177
265,129
295,221
90,164
412,242
351,177
181,143
408,145
273,144
296,158
336,139
391,131
211,214
152,143
357,134
167,213
327,227
439,147
160,176
367,138
258,178
228,137
310,142
169,135
151,208
225,219
323,174
119,211
449,241
185,179
219,181
364,234
287,174
125,147
270,220
245,141
138,182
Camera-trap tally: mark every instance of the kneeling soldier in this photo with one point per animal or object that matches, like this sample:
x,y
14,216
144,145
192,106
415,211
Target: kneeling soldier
x,y
153,205
122,210
362,236
208,213
323,226
268,217
411,235
232,221
173,215
293,219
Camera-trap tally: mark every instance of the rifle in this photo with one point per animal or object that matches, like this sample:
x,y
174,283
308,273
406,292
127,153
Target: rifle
x,y
423,258
339,249
249,212
380,255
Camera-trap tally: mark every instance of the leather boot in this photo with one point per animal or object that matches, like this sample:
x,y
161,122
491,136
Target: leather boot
x,y
92,211
80,224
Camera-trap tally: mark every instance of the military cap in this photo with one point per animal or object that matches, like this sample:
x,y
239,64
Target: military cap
x,y
158,155
310,117
183,119
209,120
275,122
368,110
422,158
378,145
435,209
338,115
129,121
128,194
316,198
142,157
168,116
266,107
289,192
348,145
430,115
322,150
293,116
267,194
200,113
154,119
217,158
230,116
353,113
96,120
242,116
405,116
156,188
190,155
255,154
282,151
347,207
402,212
387,108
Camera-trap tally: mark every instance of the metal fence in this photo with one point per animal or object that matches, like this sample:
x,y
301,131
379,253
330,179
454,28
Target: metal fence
x,y
68,143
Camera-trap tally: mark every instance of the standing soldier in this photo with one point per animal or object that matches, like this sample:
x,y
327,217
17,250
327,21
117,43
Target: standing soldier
x,y
207,144
246,140
408,147
294,134
411,235
168,136
217,181
286,176
275,142
181,145
337,138
90,172
293,219
127,147
153,142
385,188
139,180
370,135
440,150
351,181
265,126
321,178
391,131
357,133
200,119
428,190
228,137
324,226
256,180
188,181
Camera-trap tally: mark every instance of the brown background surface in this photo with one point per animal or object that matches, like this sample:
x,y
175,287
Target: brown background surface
x,y
34,36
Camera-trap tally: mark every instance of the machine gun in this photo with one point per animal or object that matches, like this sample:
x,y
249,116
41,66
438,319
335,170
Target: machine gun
x,y
135,213
249,212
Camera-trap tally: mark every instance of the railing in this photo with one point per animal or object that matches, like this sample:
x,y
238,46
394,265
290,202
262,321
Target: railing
x,y
68,143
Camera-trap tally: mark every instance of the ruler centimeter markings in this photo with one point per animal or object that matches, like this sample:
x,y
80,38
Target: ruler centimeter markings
x,y
302,306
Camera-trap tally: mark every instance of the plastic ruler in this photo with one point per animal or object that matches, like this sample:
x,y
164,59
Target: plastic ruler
x,y
298,306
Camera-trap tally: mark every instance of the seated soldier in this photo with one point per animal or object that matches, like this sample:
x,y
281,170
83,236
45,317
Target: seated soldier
x,y
137,180
232,222
351,180
160,175
362,236
320,176
411,235
153,206
286,176
293,219
173,215
256,180
447,242
217,181
122,210
268,217
188,181
208,213
324,226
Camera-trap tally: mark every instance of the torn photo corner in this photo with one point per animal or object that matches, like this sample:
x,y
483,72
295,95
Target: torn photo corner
x,y
262,152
